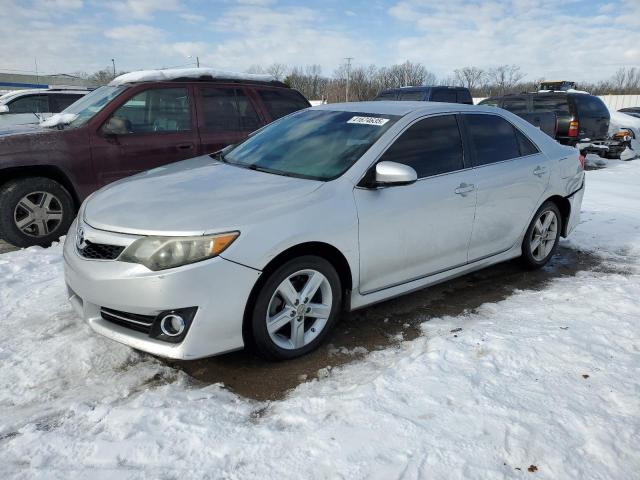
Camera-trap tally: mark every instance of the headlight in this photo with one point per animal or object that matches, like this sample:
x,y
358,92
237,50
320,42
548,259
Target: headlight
x,y
160,253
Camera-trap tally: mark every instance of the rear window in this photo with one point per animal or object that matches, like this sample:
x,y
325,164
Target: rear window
x,y
590,105
280,103
464,97
515,105
556,103
448,96
412,96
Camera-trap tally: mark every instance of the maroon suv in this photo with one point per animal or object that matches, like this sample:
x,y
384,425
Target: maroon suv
x,y
118,130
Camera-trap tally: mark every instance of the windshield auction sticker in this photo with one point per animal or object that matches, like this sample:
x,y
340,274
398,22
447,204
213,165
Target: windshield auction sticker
x,y
368,121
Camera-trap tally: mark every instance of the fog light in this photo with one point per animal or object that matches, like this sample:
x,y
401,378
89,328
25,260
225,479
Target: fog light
x,y
172,325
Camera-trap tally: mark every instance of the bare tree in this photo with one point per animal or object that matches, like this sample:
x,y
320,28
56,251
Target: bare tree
x,y
505,78
470,77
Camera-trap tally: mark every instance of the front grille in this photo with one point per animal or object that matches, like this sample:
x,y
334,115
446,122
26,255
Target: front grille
x,y
100,251
140,323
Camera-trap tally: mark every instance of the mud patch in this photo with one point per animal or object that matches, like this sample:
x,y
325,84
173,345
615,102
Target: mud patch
x,y
383,325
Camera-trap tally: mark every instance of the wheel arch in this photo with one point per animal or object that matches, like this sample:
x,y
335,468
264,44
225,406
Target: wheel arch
x,y
318,249
46,171
565,210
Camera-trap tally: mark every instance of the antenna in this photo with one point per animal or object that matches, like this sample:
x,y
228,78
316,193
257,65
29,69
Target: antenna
x,y
348,59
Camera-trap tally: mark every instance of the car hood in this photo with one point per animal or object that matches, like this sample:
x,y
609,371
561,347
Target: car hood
x,y
192,197
10,129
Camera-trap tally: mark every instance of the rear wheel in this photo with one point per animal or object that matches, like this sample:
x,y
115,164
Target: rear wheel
x,y
34,211
542,237
295,308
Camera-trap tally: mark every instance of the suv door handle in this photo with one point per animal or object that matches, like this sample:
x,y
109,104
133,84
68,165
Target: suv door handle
x,y
540,171
184,146
465,188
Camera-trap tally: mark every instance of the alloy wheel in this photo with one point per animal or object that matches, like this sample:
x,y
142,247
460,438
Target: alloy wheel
x,y
299,309
543,235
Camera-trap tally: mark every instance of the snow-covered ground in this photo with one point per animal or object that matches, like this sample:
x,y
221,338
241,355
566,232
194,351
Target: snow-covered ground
x,y
546,382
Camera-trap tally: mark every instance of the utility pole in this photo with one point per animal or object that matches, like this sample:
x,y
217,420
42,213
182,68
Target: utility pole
x,y
113,62
197,62
348,59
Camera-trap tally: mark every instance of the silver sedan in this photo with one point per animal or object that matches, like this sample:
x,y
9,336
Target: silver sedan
x,y
329,209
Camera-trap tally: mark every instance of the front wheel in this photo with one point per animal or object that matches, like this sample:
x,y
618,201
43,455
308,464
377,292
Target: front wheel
x,y
34,211
542,237
295,308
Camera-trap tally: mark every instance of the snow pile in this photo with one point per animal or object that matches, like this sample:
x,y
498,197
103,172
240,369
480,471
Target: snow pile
x,y
59,119
195,73
543,381
594,161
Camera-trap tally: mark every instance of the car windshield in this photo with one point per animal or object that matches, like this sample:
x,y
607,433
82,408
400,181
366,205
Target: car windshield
x,y
91,104
314,144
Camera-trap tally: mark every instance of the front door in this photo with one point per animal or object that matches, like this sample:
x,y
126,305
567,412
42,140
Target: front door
x,y
411,231
154,127
510,174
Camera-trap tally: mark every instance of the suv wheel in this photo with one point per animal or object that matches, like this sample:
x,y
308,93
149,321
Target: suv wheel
x,y
542,237
34,211
295,308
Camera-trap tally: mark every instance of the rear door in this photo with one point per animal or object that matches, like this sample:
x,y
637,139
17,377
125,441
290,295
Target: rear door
x,y
411,231
157,126
510,174
226,115
593,116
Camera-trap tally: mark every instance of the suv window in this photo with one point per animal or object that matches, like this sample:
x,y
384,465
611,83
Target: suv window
x,y
464,96
412,96
58,102
156,110
552,103
282,102
590,105
448,96
492,137
228,109
515,105
430,146
386,96
29,104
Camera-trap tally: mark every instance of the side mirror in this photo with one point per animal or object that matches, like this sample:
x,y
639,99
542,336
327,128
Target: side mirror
x,y
4,109
115,126
392,174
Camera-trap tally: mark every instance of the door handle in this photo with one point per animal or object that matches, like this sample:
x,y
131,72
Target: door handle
x,y
540,171
465,188
184,146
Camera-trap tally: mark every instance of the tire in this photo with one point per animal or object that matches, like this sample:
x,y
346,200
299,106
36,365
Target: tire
x,y
534,254
45,202
276,312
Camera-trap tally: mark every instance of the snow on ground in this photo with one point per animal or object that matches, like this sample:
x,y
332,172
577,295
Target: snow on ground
x,y
545,381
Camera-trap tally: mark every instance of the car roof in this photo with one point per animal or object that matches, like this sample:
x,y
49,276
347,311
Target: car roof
x,y
421,88
391,107
41,91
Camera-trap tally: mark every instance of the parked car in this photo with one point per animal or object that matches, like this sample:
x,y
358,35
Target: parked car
x,y
24,107
141,120
336,207
428,94
579,115
633,111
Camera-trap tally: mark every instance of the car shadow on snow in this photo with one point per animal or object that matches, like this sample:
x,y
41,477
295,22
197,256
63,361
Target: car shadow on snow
x,y
381,326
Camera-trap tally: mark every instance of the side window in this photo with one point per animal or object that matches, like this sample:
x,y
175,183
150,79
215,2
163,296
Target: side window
x,y
430,146
58,102
386,96
526,146
282,102
412,96
590,105
492,137
464,96
157,110
551,103
228,110
515,105
29,104
448,96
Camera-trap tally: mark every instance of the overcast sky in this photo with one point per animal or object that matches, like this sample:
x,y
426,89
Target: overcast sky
x,y
556,39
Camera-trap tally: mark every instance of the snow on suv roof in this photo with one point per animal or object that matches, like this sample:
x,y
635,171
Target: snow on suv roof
x,y
192,73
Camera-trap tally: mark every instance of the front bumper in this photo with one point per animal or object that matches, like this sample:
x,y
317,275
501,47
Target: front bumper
x,y
218,288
